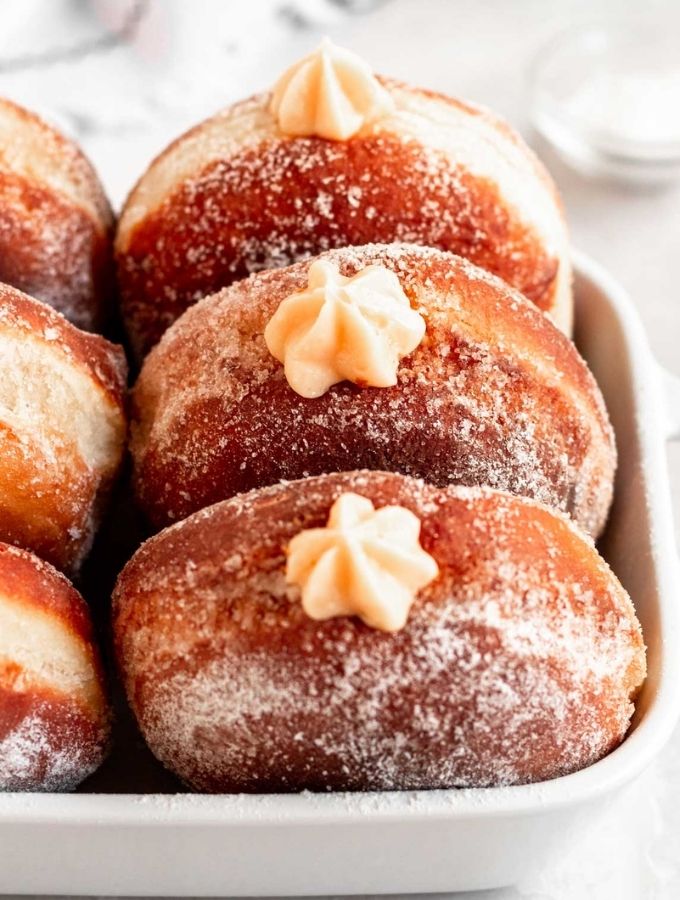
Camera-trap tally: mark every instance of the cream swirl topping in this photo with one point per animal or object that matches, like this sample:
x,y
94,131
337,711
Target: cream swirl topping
x,y
332,93
344,329
366,562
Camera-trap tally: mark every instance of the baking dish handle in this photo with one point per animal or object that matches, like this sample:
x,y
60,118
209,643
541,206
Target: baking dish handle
x,y
670,392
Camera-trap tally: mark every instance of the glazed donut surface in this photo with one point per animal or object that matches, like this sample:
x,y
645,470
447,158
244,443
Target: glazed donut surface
x,y
55,221
517,664
54,715
494,395
234,195
62,429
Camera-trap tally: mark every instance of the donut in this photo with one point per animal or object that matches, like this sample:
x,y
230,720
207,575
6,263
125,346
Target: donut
x,y
54,713
62,429
518,660
493,394
56,226
254,187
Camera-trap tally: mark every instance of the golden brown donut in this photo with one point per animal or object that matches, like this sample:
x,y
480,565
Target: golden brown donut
x,y
62,429
495,394
519,663
54,714
235,195
55,221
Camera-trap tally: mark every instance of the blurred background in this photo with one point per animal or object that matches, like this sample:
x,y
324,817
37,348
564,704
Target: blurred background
x,y
593,85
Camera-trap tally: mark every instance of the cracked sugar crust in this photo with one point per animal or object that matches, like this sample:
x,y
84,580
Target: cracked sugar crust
x,y
234,196
494,395
519,663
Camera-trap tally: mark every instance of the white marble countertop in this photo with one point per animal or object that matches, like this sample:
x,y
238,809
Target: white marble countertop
x,y
125,104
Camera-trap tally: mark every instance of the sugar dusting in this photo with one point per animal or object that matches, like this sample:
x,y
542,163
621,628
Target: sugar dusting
x,y
234,196
47,251
22,316
63,429
56,221
31,147
37,755
472,406
517,665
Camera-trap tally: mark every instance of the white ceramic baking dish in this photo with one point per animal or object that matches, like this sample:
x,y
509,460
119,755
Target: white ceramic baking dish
x,y
182,844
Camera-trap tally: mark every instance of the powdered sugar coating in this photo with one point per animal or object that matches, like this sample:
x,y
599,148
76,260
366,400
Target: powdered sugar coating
x,y
55,221
54,716
53,748
63,427
519,663
234,196
512,406
104,361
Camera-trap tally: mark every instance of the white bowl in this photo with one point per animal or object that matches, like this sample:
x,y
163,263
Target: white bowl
x,y
184,844
606,95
